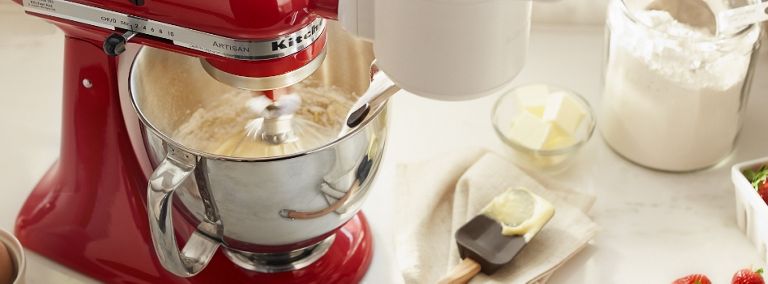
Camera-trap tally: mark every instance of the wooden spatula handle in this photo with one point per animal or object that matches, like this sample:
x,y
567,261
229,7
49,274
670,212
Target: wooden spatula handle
x,y
462,272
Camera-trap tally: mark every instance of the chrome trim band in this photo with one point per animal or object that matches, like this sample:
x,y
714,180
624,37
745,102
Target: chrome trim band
x,y
214,44
264,83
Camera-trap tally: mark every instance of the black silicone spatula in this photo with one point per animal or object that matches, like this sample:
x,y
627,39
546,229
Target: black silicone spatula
x,y
483,247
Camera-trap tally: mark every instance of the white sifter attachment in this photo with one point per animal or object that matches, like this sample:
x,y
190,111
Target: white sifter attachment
x,y
444,49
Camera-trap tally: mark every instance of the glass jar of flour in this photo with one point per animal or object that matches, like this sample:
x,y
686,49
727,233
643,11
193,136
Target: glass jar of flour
x,y
674,91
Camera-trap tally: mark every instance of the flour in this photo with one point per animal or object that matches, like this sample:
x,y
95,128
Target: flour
x,y
673,94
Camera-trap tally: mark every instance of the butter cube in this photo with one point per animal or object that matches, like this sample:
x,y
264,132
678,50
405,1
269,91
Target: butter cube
x,y
564,111
530,130
533,98
558,139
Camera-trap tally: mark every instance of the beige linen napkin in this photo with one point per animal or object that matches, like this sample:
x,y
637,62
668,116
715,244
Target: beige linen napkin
x,y
434,198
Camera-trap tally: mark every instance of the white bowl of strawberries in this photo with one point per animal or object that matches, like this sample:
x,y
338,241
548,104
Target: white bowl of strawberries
x,y
750,180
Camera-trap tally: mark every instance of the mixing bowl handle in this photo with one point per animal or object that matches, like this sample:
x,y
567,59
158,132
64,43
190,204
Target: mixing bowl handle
x,y
199,249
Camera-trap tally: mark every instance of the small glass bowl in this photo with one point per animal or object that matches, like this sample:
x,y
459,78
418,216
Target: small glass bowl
x,y
507,109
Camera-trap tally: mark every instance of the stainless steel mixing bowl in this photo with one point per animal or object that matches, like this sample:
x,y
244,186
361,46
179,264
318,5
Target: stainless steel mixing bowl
x,y
256,209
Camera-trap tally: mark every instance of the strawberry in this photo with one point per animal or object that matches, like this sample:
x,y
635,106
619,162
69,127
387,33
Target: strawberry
x,y
763,191
693,279
759,180
747,276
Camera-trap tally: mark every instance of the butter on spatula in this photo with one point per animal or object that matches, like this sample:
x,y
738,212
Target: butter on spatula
x,y
493,238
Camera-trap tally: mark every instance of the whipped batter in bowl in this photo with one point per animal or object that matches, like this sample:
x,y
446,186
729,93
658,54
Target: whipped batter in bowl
x,y
219,127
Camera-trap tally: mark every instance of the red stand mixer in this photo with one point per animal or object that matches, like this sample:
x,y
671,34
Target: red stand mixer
x,y
90,210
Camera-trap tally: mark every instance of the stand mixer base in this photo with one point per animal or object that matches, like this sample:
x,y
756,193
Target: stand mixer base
x,y
113,245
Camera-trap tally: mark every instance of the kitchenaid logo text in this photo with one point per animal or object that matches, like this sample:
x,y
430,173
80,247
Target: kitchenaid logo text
x,y
292,40
289,43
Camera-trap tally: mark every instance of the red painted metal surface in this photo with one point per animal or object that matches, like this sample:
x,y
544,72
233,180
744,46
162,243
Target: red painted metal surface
x,y
262,68
88,212
244,19
328,9
232,18
240,19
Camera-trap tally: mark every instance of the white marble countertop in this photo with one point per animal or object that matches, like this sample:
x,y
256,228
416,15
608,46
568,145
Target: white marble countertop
x,y
654,226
